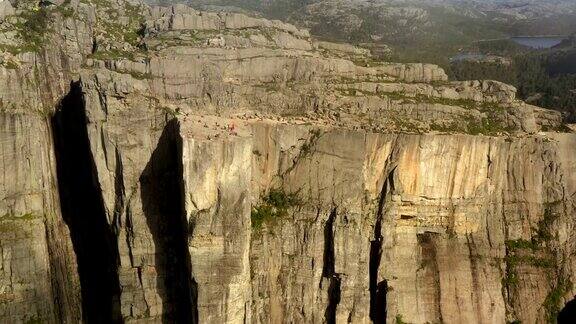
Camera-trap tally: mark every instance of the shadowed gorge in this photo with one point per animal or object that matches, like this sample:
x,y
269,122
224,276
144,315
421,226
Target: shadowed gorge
x,y
83,210
379,289
161,194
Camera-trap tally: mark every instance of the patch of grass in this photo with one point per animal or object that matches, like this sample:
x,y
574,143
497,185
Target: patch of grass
x,y
464,103
513,259
306,148
366,62
34,320
98,3
521,244
32,27
12,217
11,65
487,126
130,34
274,206
269,86
552,303
490,125
543,231
65,10
399,319
446,127
380,78
141,76
112,54
9,222
405,124
397,96
511,278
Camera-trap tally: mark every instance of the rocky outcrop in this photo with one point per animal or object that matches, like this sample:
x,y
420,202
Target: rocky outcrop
x,y
219,168
217,178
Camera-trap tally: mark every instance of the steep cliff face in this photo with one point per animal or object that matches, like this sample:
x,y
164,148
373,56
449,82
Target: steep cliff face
x,y
425,228
170,165
38,273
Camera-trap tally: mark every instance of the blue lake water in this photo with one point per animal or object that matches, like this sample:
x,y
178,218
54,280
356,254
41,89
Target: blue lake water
x,y
538,42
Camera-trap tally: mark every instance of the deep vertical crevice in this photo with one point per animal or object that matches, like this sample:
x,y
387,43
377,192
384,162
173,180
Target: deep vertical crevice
x,y
120,192
94,241
329,270
568,314
429,262
378,289
162,201
333,299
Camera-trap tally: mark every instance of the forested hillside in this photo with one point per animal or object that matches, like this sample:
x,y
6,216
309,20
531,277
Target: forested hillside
x,y
546,77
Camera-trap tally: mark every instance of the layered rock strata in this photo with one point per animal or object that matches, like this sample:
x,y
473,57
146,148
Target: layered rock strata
x,y
171,165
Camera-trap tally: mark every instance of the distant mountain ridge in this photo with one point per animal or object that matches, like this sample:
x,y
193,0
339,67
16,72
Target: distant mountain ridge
x,y
417,29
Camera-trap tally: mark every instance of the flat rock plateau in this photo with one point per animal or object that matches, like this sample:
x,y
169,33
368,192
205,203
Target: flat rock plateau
x,y
167,165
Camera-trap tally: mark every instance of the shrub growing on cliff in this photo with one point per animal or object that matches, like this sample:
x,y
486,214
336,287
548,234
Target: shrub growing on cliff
x,y
554,298
275,205
399,319
33,27
544,230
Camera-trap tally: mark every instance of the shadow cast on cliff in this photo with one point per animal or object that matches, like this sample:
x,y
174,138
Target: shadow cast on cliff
x,y
379,289
568,314
82,205
329,270
162,201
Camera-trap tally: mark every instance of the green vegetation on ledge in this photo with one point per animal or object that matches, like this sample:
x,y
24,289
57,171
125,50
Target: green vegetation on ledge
x,y
274,206
10,222
554,299
491,125
399,319
534,252
537,252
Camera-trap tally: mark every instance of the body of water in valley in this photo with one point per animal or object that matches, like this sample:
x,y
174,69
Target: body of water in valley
x,y
534,42
538,42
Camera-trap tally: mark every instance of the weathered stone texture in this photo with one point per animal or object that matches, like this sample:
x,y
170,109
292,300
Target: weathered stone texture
x,y
450,208
216,179
38,272
187,126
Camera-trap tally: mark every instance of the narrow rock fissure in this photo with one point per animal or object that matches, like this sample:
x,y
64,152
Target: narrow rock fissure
x,y
82,205
507,288
329,270
378,289
568,314
162,196
119,204
429,262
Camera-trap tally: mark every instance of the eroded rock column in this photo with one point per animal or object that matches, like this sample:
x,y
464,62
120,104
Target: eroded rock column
x,y
216,168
